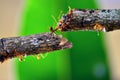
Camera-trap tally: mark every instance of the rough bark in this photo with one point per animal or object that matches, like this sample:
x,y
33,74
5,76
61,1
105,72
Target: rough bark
x,y
90,19
31,45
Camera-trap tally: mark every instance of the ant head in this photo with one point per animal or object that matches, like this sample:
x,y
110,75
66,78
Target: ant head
x,y
51,28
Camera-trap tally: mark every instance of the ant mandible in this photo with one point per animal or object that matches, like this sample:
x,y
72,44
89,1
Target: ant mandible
x,y
53,30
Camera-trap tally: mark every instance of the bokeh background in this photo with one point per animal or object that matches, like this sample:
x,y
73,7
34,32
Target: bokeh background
x,y
92,57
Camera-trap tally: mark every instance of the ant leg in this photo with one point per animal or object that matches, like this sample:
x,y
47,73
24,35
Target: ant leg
x,y
98,27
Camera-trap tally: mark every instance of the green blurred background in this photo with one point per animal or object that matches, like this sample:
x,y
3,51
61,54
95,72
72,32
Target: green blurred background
x,y
86,60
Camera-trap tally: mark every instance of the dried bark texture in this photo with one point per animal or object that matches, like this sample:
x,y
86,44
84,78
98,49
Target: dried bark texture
x,y
31,45
90,19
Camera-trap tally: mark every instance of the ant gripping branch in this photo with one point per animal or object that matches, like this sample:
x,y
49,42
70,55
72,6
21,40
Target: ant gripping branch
x,y
63,24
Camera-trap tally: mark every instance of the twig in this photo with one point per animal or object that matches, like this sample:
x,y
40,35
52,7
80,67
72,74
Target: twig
x,y
31,45
90,19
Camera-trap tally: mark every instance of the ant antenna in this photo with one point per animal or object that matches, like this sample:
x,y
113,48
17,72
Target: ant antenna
x,y
69,8
54,18
60,14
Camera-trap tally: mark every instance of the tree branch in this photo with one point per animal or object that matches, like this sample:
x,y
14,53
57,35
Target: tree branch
x,y
90,19
31,45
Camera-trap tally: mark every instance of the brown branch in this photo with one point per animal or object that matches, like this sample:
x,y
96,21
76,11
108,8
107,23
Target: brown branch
x,y
31,45
90,19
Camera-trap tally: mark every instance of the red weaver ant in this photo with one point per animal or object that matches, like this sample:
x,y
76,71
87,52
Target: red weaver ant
x,y
63,25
